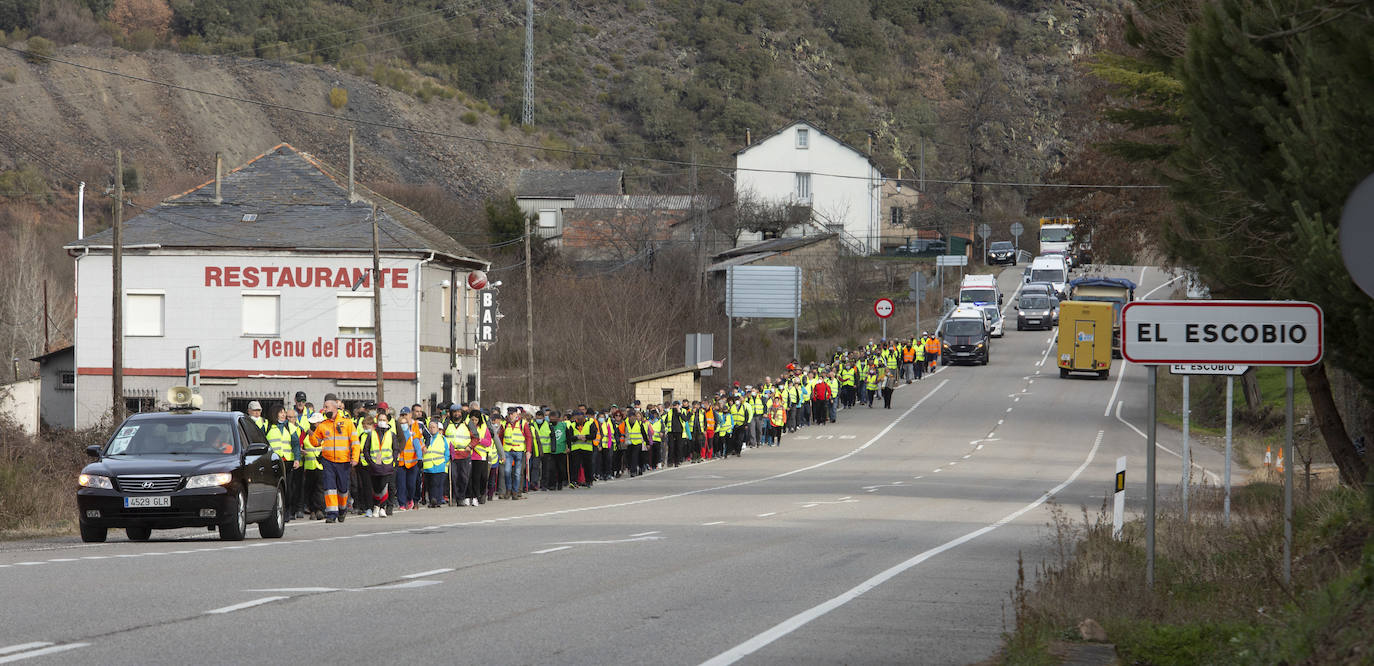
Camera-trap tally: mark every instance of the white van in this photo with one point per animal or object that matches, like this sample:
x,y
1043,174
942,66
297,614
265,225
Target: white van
x,y
1051,269
979,289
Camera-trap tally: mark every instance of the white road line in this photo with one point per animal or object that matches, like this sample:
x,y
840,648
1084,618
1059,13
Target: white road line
x,y
1120,372
714,522
845,498
918,477
1001,421
1206,472
645,533
598,542
770,513
980,447
1166,283
937,470
424,574
805,617
410,584
23,646
246,604
808,506
52,649
550,550
966,457
295,590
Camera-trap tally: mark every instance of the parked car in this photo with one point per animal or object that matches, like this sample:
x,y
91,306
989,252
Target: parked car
x,y
164,470
1001,252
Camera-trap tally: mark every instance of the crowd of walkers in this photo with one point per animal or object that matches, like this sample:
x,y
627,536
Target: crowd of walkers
x,y
369,460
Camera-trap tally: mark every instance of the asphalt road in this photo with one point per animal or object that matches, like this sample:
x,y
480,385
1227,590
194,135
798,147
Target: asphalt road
x,y
890,537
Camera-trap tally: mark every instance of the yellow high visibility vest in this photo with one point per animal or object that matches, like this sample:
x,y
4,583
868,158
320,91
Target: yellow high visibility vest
x,y
514,438
588,430
635,434
436,454
279,439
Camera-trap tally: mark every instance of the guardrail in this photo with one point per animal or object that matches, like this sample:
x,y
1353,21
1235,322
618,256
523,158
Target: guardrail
x,y
1023,257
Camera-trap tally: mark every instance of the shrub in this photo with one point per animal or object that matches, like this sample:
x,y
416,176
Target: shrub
x,y
39,50
142,39
66,22
469,117
338,97
136,15
26,181
10,75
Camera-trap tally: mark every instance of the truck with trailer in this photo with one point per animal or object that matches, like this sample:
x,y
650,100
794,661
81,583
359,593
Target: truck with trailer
x,y
1116,291
1083,345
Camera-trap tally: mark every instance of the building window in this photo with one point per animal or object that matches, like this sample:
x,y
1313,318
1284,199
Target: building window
x,y
898,216
355,316
143,313
803,139
548,219
443,302
803,187
66,380
261,313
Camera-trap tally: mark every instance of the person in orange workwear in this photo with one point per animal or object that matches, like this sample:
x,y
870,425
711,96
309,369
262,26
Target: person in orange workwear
x,y
339,449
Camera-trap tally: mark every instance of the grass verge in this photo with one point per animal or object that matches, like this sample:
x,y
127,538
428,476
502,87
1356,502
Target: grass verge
x,y
1218,595
38,479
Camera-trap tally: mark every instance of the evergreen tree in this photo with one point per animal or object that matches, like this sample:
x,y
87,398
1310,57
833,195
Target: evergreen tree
x,y
1279,120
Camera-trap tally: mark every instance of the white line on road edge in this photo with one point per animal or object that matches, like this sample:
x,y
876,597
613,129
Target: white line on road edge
x,y
715,522
1204,470
550,550
645,533
246,604
52,649
23,646
770,513
805,617
424,574
1166,283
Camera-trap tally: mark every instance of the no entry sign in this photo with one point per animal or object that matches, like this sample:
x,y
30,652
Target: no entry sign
x,y
1225,332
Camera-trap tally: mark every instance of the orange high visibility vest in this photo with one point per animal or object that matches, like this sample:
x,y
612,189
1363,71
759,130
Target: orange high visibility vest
x,y
335,439
908,354
932,345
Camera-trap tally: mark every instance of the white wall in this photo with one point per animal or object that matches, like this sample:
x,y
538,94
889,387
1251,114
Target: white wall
x,y
20,402
853,200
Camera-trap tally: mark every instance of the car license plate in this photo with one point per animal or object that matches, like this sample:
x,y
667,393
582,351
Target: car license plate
x,y
1032,321
961,353
151,502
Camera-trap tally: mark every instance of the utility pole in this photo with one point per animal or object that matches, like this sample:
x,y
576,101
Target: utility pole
x,y
45,316
697,236
923,166
529,311
117,294
377,306
527,113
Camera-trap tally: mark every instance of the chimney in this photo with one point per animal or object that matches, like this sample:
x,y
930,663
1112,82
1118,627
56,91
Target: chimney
x,y
350,165
899,180
748,140
219,176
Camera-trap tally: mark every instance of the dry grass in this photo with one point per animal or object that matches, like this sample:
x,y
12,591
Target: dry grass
x,y
1218,596
38,479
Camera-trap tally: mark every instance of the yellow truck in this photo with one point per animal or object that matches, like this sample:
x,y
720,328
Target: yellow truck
x,y
1085,337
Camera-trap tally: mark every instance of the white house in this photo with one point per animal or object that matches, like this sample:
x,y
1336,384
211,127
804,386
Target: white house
x,y
801,163
268,271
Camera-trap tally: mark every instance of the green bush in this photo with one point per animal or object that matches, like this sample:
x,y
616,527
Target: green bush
x,y
338,97
469,117
39,50
25,182
10,75
141,40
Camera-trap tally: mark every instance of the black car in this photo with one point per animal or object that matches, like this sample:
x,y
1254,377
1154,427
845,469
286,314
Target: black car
x,y
1001,252
183,469
965,340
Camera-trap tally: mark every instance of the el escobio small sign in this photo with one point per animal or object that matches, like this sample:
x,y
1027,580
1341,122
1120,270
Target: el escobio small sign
x,y
1222,332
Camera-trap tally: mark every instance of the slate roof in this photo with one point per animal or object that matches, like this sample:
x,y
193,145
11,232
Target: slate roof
x,y
704,365
299,203
773,245
567,183
646,201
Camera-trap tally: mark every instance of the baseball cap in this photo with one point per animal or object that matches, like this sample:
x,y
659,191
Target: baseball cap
x,y
383,406
300,396
455,407
405,410
254,405
330,396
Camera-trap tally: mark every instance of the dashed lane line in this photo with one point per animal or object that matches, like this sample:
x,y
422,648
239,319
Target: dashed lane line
x,y
246,604
43,649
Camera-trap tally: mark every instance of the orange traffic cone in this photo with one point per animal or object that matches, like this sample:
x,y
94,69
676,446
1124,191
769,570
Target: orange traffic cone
x,y
1268,456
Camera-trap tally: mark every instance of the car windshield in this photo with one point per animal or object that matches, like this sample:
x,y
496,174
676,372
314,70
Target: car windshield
x,y
963,327
173,435
1047,275
1055,235
1000,246
1035,303
978,296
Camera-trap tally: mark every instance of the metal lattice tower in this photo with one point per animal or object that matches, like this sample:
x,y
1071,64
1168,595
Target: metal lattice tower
x,y
527,113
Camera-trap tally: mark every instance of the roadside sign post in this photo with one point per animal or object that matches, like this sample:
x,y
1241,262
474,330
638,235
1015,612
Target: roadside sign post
x,y
983,231
1280,333
1119,498
883,308
1187,454
193,369
1016,229
1231,372
917,282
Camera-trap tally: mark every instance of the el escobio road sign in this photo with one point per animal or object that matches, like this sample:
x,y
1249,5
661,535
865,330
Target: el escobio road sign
x,y
883,308
1222,332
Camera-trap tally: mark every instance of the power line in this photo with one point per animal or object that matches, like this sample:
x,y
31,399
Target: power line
x,y
567,151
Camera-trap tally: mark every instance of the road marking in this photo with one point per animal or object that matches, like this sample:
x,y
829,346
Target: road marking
x,y
980,447
594,542
50,649
63,559
808,506
918,477
715,522
848,436
296,590
807,616
96,557
968,456
953,463
550,550
645,534
246,604
23,646
990,435
410,584
28,564
937,470
424,574
1166,283
1001,421
1206,472
845,498
770,513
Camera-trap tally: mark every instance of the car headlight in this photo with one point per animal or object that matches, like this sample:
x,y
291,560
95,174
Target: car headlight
x,y
94,481
209,480
980,345
946,347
